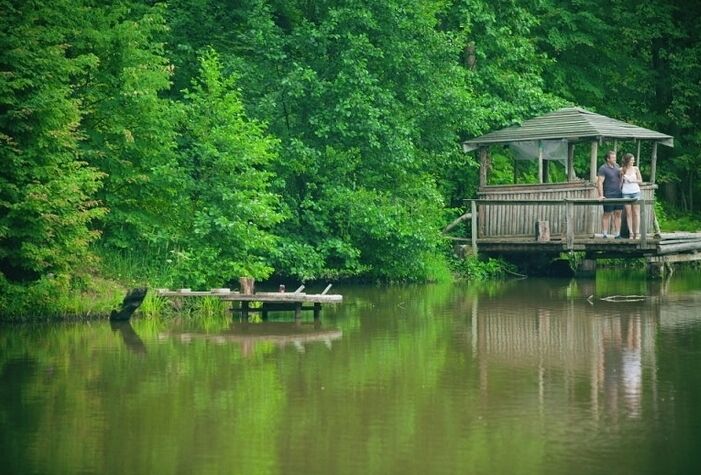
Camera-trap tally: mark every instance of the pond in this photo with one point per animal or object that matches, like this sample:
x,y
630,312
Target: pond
x,y
526,376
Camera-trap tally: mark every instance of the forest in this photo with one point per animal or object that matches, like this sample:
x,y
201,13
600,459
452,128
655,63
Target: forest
x,y
191,142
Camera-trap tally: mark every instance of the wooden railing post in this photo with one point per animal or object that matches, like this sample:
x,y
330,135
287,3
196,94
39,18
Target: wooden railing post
x,y
569,223
473,210
643,222
570,161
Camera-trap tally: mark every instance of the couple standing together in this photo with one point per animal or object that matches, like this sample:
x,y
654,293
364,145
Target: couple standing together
x,y
620,182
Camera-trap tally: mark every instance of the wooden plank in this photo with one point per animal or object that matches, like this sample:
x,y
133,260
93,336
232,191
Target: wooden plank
x,y
674,248
680,235
667,242
284,297
257,297
691,257
534,188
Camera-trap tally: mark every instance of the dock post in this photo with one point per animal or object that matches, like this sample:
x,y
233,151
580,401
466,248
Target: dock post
x,y
298,311
587,268
655,270
244,310
317,311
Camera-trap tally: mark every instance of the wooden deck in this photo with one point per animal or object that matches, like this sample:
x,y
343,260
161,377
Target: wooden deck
x,y
516,220
662,247
271,301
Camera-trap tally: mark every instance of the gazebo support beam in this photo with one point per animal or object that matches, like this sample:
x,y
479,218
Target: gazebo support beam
x,y
593,159
540,161
483,166
653,163
570,161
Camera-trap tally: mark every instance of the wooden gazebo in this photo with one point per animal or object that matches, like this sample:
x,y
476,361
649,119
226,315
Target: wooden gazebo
x,y
533,203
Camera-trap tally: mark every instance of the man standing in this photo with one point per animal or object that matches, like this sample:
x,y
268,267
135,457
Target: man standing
x,y
609,186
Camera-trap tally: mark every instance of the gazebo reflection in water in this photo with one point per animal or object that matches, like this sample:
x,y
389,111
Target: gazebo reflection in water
x,y
597,353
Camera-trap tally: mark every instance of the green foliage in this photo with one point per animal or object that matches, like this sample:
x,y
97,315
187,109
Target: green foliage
x,y
476,269
58,298
671,219
130,130
320,141
46,190
231,209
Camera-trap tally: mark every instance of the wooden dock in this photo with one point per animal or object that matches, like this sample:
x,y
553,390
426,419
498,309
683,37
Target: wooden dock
x,y
508,226
270,301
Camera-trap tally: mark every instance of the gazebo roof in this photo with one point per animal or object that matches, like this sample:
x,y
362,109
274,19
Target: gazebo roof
x,y
571,123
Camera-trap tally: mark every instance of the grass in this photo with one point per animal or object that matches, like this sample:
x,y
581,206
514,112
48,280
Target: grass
x,y
54,298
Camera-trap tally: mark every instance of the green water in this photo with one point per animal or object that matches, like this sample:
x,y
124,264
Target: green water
x,y
530,376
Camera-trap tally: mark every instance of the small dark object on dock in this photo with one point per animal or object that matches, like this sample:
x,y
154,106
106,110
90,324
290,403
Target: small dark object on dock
x,y
131,302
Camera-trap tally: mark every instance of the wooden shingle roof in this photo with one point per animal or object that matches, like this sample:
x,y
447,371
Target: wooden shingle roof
x,y
572,123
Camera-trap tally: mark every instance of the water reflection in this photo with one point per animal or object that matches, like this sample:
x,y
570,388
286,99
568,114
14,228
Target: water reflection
x,y
129,336
562,341
248,335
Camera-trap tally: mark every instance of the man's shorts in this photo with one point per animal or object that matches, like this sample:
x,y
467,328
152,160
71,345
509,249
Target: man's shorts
x,y
610,208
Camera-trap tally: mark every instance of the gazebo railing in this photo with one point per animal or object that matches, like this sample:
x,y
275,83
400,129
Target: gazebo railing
x,y
566,206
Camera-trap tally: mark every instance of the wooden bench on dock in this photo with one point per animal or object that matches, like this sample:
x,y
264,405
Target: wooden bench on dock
x,y
270,301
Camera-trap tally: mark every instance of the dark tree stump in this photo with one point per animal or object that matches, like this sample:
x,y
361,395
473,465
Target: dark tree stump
x,y
131,302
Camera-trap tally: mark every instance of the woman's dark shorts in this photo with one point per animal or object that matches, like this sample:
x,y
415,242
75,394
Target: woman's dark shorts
x,y
610,208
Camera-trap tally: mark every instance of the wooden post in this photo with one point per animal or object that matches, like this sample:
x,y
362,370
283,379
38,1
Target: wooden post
x,y
244,310
542,231
546,171
247,285
592,178
540,161
570,161
569,223
643,223
317,311
298,311
593,160
637,157
473,207
653,163
483,166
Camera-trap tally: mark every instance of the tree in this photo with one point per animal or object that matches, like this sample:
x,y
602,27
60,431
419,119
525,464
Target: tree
x,y
129,128
231,208
46,190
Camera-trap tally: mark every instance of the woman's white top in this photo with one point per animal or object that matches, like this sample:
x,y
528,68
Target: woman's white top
x,y
630,181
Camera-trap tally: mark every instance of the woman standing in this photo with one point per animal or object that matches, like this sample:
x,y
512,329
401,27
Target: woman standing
x,y
631,180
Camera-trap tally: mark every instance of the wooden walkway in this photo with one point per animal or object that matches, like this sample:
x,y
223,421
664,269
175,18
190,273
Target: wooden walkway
x,y
270,301
515,231
671,247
